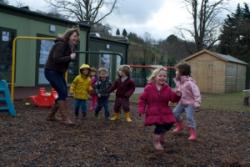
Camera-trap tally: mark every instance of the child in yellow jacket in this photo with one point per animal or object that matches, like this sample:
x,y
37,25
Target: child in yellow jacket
x,y
81,88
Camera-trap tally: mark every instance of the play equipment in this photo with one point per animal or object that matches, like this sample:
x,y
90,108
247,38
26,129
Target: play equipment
x,y
13,65
151,66
44,99
141,72
5,100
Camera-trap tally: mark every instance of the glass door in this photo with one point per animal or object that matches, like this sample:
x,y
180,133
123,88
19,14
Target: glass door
x,y
6,38
43,53
44,47
111,62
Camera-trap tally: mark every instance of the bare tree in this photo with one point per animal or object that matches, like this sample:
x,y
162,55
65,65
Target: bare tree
x,y
205,22
90,11
4,2
20,4
54,13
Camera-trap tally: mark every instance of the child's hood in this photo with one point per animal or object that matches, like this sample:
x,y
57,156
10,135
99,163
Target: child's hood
x,y
84,66
186,78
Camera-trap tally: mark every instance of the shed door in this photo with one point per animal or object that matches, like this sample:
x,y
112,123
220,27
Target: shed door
x,y
204,76
6,38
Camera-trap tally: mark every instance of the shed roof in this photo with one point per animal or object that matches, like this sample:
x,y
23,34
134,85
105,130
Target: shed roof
x,y
227,58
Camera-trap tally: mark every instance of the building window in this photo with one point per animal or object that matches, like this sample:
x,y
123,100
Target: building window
x,y
43,50
105,61
45,47
7,36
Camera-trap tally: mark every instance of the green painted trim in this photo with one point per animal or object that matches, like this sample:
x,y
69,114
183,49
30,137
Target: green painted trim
x,y
37,16
108,40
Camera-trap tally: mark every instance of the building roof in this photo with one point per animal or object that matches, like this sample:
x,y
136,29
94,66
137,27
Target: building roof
x,y
124,42
27,12
227,58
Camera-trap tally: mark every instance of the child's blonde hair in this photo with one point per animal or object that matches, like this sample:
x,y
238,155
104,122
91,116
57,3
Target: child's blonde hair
x,y
151,78
101,69
93,69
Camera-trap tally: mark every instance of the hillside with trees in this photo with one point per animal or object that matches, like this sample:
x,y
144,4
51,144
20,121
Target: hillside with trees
x,y
235,36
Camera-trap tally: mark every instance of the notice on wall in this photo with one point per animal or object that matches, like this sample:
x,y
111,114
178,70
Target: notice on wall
x,y
5,36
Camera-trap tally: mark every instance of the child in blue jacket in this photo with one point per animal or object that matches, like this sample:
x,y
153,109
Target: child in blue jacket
x,y
102,86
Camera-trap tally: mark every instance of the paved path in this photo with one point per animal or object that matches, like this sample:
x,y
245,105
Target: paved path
x,y
139,90
23,93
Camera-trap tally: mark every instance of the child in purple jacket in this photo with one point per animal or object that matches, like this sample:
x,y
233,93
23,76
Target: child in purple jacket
x,y
190,99
124,87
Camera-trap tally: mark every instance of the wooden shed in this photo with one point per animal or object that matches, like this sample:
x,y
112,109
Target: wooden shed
x,y
217,73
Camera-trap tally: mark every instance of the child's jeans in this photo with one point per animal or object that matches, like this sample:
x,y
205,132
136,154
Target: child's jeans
x,y
189,109
79,103
102,102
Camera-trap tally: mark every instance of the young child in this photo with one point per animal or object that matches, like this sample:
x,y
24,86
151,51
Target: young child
x,y
101,88
190,99
124,87
153,103
81,88
93,100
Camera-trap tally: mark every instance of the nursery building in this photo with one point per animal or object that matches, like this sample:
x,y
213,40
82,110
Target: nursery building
x,y
217,73
31,54
107,53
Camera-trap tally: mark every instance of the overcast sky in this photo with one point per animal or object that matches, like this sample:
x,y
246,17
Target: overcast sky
x,y
158,17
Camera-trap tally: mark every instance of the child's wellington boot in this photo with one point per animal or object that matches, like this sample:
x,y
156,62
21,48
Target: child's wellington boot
x,y
179,127
127,117
157,143
193,135
162,138
115,117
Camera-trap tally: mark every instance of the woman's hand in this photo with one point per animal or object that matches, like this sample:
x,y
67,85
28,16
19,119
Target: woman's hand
x,y
73,56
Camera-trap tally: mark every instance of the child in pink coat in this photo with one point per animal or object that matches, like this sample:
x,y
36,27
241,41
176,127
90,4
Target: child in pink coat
x,y
93,100
190,99
153,103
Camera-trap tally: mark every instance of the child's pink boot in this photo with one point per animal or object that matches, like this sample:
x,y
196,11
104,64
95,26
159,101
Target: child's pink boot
x,y
162,139
193,134
179,127
157,143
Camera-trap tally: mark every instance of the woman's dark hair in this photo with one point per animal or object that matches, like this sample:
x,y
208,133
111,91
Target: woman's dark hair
x,y
184,69
69,32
